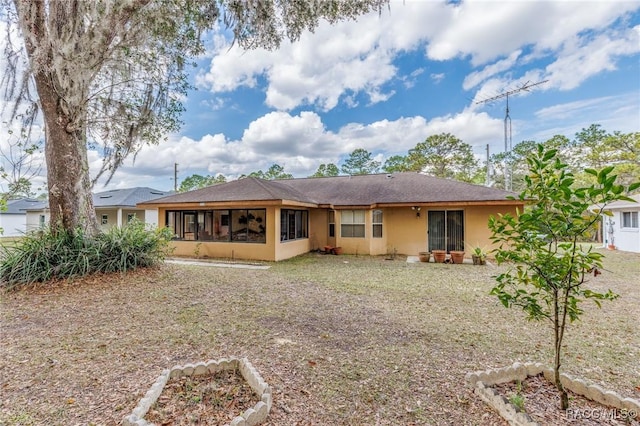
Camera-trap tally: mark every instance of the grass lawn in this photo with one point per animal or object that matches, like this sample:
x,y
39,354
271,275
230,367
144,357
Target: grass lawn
x,y
342,340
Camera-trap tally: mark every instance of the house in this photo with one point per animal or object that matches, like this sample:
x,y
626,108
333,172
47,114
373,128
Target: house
x,y
375,214
14,220
113,208
621,231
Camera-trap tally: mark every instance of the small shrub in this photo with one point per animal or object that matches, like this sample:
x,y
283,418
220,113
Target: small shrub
x,y
44,255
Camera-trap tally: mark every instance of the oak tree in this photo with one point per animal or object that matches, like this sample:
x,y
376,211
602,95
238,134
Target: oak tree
x,y
110,74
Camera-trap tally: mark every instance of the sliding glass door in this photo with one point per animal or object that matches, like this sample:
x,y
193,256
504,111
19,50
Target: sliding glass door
x,y
446,230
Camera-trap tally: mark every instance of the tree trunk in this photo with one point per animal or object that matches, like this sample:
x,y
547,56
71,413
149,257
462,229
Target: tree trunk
x,y
70,198
559,325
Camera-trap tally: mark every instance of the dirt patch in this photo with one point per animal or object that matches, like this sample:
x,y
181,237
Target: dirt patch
x,y
208,400
364,342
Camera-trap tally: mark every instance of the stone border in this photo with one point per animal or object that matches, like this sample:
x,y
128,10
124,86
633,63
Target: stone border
x,y
252,416
481,382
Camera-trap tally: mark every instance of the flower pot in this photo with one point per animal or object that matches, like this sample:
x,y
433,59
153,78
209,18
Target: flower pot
x,y
337,250
478,260
424,256
439,255
611,247
457,256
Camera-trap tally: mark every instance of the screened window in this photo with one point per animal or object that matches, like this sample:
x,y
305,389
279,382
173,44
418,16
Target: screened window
x,y
629,219
105,219
239,225
130,217
352,223
377,224
294,224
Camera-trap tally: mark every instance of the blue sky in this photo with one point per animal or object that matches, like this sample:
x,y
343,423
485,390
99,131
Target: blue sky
x,y
388,81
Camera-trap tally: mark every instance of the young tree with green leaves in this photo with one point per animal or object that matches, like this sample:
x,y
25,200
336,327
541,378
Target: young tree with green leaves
x,y
549,269
360,162
111,73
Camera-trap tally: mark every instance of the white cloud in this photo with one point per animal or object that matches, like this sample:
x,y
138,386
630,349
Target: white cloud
x,y
584,57
437,78
339,62
488,30
299,143
321,67
477,77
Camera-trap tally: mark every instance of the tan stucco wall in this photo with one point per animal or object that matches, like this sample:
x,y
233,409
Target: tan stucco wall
x,y
402,231
407,233
318,228
476,227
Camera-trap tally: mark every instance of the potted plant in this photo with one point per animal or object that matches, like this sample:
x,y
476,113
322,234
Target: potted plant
x,y
457,256
479,256
439,255
424,256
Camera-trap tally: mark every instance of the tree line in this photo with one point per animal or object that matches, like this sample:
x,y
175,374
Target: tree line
x,y
446,156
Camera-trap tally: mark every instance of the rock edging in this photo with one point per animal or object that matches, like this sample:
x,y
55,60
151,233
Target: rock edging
x,y
481,382
251,417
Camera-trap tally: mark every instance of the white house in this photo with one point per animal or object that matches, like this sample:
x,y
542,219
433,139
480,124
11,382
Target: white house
x,y
622,230
113,208
13,220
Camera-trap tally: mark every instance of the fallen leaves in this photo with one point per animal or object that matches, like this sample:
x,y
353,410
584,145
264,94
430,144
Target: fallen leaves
x,y
339,344
206,400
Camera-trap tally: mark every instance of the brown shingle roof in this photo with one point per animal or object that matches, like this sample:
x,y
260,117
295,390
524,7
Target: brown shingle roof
x,y
364,190
247,189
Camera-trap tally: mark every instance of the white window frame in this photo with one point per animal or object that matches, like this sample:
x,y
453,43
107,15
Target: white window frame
x,y
352,223
629,220
376,223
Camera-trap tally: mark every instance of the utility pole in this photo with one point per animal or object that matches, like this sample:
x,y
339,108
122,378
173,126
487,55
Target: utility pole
x,y
175,177
508,143
488,180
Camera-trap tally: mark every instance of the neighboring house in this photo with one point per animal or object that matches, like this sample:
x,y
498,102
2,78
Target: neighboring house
x,y
370,214
14,219
622,230
113,208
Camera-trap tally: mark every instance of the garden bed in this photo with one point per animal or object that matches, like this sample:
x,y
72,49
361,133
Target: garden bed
x,y
524,395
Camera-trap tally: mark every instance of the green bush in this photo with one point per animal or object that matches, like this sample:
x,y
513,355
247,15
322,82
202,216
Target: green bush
x,y
44,255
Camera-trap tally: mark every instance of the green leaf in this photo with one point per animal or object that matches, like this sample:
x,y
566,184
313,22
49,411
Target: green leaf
x,y
549,154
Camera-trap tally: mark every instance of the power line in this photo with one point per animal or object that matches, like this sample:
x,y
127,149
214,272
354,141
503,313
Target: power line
x,y
508,143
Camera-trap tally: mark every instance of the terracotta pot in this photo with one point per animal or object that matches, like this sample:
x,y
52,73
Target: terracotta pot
x,y
337,250
457,256
424,256
478,260
439,255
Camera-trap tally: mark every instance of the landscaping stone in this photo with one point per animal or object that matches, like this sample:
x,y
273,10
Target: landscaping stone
x,y
631,404
251,417
578,386
481,381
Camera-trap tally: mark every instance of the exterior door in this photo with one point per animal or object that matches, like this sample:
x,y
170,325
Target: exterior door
x,y
446,230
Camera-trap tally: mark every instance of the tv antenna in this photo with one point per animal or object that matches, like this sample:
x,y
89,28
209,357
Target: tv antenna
x,y
508,143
